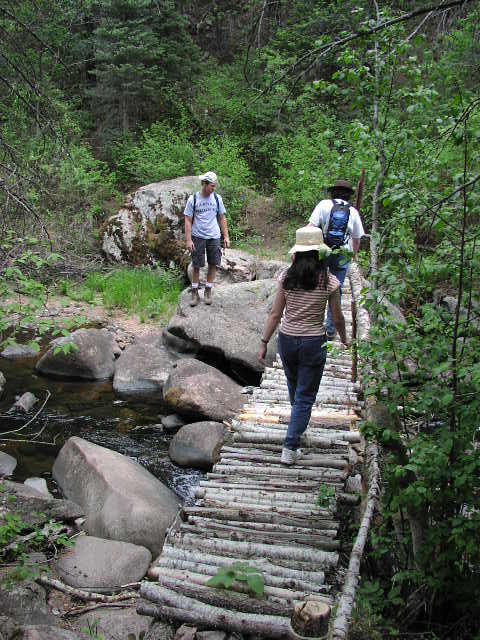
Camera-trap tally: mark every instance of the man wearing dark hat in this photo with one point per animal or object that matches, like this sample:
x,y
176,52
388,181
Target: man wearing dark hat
x,y
342,230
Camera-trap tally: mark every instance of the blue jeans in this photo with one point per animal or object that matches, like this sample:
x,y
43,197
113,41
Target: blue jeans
x,y
338,266
303,359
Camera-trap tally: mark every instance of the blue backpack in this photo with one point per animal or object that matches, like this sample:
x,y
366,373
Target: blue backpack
x,y
337,225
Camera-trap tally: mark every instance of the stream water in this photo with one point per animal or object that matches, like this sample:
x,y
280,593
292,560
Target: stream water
x,y
89,410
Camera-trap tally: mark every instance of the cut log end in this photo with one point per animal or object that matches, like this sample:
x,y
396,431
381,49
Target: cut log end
x,y
310,619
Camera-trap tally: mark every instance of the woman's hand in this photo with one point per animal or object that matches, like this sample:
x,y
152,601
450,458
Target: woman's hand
x,y
262,352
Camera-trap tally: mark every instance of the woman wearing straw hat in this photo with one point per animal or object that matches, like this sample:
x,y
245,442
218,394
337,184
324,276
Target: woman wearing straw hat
x,y
303,292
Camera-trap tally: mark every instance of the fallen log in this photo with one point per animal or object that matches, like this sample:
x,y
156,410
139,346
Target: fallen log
x,y
250,549
215,618
268,567
261,515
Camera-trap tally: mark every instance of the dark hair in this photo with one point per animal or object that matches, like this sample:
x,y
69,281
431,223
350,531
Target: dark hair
x,y
341,192
305,271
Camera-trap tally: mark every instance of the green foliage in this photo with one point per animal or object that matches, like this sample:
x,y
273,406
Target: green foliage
x,y
326,496
151,292
162,153
238,571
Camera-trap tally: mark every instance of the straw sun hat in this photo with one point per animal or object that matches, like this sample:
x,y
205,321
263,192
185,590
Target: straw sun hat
x,y
310,239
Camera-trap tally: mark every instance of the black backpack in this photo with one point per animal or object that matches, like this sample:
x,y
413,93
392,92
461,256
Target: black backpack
x,y
337,225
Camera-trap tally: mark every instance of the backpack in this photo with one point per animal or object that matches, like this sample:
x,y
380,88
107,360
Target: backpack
x,y
337,224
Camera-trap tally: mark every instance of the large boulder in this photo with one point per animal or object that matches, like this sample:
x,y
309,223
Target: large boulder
x,y
232,326
197,444
142,370
26,603
121,499
94,563
18,351
150,224
197,390
240,266
92,358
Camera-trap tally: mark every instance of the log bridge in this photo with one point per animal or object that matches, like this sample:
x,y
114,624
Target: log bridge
x,y
286,522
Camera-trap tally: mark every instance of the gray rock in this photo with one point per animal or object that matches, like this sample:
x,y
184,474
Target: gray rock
x,y
153,213
40,485
93,359
95,563
115,624
160,631
122,500
179,345
47,632
142,370
7,464
240,266
34,508
14,351
197,445
25,402
172,423
232,325
26,603
211,635
198,390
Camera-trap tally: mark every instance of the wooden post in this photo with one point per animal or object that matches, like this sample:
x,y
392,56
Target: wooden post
x,y
310,620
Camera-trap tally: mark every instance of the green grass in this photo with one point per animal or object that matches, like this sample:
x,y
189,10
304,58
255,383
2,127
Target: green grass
x,y
151,293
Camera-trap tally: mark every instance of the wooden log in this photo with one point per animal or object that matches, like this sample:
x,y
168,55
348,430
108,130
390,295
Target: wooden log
x,y
257,537
310,619
274,593
347,598
250,549
262,514
266,484
216,618
319,473
268,567
226,599
278,438
293,507
308,498
260,526
212,570
307,460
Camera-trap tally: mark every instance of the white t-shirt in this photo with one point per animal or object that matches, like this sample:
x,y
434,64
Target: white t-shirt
x,y
321,216
205,223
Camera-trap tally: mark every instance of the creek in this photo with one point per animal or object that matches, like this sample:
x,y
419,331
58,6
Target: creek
x,y
89,410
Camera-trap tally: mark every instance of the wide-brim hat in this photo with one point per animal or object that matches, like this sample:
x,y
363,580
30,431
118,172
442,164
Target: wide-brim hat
x,y
210,176
342,184
310,239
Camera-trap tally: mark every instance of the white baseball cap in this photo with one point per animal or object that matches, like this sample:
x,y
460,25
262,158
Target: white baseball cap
x,y
208,177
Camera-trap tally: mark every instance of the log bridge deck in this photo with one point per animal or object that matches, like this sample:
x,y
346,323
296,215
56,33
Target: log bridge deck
x,y
253,509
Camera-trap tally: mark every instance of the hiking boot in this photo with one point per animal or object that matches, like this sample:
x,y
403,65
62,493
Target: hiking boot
x,y
207,296
331,336
195,298
289,456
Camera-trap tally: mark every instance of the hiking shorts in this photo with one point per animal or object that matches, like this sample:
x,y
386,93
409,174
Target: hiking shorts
x,y
213,248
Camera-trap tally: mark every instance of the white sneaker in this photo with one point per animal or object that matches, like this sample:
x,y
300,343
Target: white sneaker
x,y
289,456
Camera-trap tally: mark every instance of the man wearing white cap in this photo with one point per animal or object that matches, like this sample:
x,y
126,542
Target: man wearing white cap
x,y
205,223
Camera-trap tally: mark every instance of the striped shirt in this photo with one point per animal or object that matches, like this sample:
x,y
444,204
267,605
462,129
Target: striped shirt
x,y
304,312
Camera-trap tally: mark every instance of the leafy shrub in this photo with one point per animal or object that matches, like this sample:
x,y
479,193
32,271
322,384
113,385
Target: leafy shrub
x,y
162,153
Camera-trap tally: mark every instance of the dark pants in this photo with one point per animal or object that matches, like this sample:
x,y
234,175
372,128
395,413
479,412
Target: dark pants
x,y
213,248
303,359
338,266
